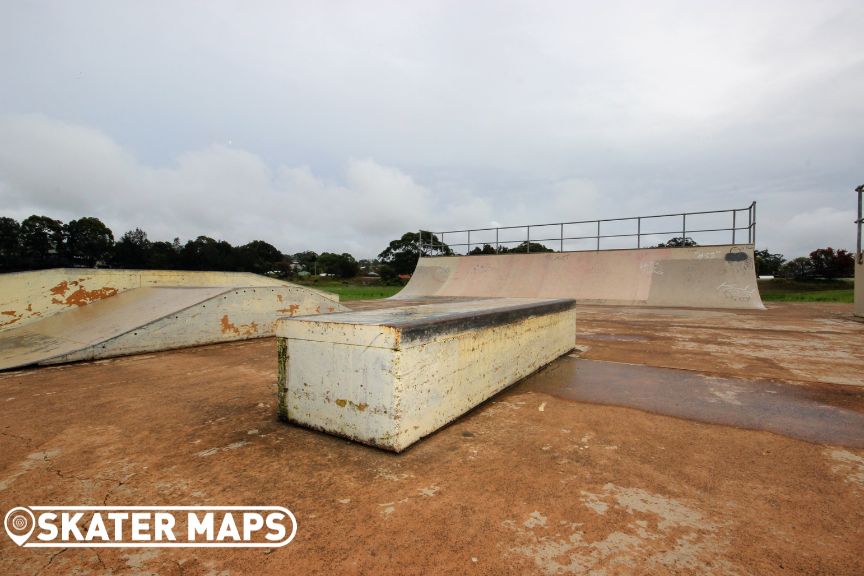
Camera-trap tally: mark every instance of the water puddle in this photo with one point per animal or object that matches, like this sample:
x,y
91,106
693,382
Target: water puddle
x,y
825,416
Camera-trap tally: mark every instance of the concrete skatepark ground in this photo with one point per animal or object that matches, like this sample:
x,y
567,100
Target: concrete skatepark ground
x,y
533,481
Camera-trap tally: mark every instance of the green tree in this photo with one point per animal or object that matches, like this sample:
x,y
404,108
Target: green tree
x,y
798,269
342,265
366,265
41,240
679,242
830,263
768,264
132,250
259,257
402,254
486,249
388,275
10,247
88,241
524,248
205,253
164,255
285,268
307,261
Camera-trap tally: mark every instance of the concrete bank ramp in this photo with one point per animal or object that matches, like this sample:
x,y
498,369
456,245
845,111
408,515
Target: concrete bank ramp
x,y
156,318
699,277
32,296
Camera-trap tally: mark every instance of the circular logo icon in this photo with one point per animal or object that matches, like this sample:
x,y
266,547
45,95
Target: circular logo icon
x,y
19,523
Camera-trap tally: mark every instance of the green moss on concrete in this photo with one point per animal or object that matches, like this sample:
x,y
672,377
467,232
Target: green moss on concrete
x,y
282,377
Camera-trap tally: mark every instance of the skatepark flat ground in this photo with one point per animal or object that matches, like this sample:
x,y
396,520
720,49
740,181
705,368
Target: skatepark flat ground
x,y
571,470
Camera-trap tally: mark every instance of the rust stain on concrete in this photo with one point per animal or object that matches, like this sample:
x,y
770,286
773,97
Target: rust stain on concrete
x,y
292,309
341,402
15,317
82,297
79,297
60,289
243,330
279,297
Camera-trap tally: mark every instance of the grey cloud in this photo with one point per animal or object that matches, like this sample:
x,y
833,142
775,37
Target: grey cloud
x,y
339,126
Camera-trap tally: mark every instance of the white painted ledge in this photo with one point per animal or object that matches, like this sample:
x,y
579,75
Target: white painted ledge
x,y
390,377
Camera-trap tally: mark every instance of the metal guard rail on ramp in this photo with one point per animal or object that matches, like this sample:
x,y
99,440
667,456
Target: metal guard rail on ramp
x,y
437,239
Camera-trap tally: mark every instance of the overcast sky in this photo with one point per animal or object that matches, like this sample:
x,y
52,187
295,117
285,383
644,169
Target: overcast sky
x,y
338,126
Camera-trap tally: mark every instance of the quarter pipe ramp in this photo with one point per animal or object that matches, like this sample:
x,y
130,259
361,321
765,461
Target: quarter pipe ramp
x,y
699,277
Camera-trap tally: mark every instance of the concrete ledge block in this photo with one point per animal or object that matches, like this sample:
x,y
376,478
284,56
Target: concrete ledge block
x,y
390,377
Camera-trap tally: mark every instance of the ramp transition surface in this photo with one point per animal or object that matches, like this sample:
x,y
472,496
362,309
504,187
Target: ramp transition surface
x,y
699,277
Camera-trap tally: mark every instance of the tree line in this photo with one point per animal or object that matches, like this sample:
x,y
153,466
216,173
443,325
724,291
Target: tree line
x,y
402,254
825,263
40,242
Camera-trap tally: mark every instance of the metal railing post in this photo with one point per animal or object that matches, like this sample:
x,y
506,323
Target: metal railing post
x,y
750,224
639,232
469,242
598,234
754,224
684,229
562,238
496,240
734,217
860,221
528,242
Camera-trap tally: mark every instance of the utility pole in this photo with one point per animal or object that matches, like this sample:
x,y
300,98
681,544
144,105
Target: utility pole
x,y
859,257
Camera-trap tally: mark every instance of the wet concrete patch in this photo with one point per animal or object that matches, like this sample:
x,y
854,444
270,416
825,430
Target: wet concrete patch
x,y
814,414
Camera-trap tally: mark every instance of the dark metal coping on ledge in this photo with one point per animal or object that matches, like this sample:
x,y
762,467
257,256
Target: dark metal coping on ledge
x,y
418,328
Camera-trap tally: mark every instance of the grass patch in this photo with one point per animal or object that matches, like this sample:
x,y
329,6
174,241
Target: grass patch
x,y
842,296
348,291
776,290
783,290
782,285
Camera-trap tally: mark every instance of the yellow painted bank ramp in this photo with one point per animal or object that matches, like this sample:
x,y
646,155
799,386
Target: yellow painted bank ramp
x,y
156,318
